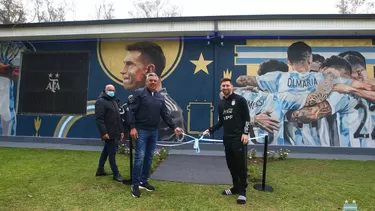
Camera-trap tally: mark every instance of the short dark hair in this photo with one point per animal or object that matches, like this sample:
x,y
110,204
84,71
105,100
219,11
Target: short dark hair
x,y
354,53
298,52
337,62
318,58
151,53
354,60
225,79
272,65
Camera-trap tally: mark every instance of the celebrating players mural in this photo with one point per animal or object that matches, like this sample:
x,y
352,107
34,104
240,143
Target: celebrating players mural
x,y
321,95
320,91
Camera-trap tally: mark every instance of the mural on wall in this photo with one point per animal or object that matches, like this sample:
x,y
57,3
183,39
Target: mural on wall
x,y
286,75
107,67
191,85
123,64
10,60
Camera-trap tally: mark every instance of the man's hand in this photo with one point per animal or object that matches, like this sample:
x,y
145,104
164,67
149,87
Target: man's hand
x,y
178,131
245,139
343,88
369,86
134,134
363,85
266,122
122,135
105,137
206,132
4,66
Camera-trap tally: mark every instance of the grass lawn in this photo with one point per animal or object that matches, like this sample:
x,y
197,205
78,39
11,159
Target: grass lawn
x,y
37,179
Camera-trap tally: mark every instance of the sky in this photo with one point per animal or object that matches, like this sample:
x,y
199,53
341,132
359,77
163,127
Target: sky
x,y
85,9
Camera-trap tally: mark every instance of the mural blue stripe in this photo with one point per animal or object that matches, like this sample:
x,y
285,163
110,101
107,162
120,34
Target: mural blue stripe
x,y
63,127
365,49
245,61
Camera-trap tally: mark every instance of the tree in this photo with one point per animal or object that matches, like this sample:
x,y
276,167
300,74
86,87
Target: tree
x,y
154,8
49,11
12,11
105,11
355,6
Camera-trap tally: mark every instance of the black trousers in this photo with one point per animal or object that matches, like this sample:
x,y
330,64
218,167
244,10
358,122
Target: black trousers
x,y
236,156
109,150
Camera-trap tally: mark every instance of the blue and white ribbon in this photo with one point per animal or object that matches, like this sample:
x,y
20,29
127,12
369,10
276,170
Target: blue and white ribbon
x,y
197,140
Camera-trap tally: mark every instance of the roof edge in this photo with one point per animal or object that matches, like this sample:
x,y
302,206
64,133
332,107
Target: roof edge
x,y
198,18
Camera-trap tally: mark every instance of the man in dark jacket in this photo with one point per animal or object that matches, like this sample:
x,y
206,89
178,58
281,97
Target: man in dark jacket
x,y
109,123
147,107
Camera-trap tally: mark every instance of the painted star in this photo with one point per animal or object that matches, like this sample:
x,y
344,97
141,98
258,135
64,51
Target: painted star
x,y
57,75
201,64
50,75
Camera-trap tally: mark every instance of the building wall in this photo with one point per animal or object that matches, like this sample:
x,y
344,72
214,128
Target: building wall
x,y
192,76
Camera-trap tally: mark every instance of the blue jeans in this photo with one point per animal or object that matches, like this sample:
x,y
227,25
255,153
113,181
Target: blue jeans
x,y
109,150
144,152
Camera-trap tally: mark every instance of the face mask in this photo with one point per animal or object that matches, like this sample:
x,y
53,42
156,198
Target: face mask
x,y
111,93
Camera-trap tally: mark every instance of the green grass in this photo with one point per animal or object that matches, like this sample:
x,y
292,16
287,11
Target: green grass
x,y
37,179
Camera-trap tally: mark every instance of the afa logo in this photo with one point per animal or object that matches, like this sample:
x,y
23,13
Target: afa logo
x,y
111,54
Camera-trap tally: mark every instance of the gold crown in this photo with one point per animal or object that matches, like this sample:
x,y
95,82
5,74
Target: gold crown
x,y
227,74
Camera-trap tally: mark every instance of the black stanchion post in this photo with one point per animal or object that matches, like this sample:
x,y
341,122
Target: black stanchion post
x,y
263,186
129,181
131,158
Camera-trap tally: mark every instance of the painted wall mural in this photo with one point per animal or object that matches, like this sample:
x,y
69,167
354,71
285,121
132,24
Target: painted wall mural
x,y
276,70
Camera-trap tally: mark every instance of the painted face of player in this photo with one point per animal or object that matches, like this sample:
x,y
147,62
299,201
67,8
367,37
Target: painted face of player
x,y
359,73
315,66
134,71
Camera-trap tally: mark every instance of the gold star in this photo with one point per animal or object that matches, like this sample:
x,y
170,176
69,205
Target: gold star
x,y
201,64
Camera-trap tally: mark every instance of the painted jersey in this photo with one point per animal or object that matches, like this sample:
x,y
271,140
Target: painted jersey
x,y
294,81
354,119
277,104
315,133
372,112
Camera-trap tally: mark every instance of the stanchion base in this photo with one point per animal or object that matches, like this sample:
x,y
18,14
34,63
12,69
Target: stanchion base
x,y
127,181
267,188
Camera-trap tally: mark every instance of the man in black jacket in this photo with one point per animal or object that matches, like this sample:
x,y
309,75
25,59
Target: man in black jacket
x,y
235,119
147,107
110,127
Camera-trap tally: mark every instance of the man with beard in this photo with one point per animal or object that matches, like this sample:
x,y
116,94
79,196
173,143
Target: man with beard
x,y
235,119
